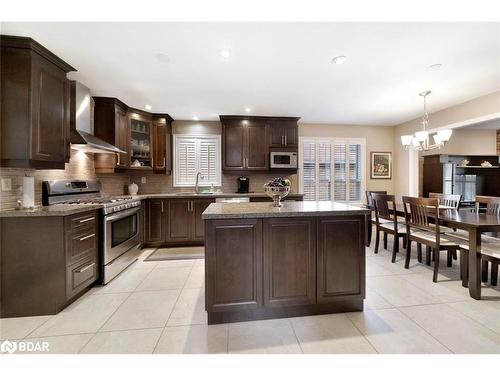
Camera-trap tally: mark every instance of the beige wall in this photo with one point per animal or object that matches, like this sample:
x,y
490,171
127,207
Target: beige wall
x,y
474,110
378,138
469,141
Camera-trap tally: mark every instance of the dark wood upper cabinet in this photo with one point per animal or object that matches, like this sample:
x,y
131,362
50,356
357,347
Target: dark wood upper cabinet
x,y
246,140
257,152
233,149
35,105
143,136
283,133
162,145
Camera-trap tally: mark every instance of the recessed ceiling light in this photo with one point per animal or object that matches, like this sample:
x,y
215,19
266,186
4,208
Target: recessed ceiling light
x,y
434,67
147,107
337,60
195,118
224,53
248,110
162,57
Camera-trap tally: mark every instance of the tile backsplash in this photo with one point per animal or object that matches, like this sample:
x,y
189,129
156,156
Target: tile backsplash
x,y
81,166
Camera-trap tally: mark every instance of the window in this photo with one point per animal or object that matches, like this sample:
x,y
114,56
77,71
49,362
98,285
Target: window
x,y
197,153
332,169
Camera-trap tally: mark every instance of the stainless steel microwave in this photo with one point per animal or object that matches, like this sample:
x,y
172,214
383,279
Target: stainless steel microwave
x,y
284,159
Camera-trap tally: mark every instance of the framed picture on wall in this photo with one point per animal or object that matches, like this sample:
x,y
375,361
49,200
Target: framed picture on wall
x,y
381,165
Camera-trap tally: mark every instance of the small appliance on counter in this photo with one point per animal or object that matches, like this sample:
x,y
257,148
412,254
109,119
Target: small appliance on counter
x,y
243,184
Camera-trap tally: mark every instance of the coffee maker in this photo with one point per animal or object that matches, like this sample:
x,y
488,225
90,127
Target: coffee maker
x,y
243,184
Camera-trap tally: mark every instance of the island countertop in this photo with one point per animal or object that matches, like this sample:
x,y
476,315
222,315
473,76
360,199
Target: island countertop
x,y
289,209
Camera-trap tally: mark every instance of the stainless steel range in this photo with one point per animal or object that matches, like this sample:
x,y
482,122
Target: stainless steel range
x,y
119,221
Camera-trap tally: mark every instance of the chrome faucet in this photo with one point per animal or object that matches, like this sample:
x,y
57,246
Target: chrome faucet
x,y
196,187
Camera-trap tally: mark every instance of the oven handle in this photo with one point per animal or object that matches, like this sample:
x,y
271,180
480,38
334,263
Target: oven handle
x,y
123,214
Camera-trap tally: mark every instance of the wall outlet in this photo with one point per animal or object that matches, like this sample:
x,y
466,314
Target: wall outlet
x,y
6,184
143,180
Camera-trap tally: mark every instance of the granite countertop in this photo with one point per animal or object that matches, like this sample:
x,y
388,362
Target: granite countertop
x,y
204,195
289,209
55,210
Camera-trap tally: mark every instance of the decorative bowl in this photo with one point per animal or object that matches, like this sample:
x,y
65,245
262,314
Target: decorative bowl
x,y
277,193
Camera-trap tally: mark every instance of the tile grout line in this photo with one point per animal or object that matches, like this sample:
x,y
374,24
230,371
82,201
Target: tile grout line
x,y
470,318
361,333
295,333
169,315
430,333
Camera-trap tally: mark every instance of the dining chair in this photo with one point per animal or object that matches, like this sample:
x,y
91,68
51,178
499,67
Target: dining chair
x,y
422,227
369,204
386,221
490,246
453,201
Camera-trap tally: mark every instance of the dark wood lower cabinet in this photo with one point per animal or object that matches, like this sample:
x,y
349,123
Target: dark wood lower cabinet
x,y
175,221
289,261
341,258
281,267
234,263
46,262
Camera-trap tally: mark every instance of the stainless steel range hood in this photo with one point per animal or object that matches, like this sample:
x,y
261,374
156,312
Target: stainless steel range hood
x,y
81,136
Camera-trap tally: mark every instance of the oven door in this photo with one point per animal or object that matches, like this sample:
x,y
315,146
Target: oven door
x,y
121,233
283,160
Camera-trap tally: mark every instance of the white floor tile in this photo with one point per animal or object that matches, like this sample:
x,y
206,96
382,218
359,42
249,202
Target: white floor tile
x,y
263,337
399,292
126,282
375,301
330,334
456,331
149,309
485,312
165,278
18,328
176,263
196,278
189,309
84,316
141,341
392,332
195,339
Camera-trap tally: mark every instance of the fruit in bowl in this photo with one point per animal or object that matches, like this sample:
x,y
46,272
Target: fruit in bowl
x,y
277,188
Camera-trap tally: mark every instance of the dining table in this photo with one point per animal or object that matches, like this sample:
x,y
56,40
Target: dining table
x,y
475,224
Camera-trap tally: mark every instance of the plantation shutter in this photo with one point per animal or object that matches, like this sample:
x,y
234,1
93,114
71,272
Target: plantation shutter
x,y
332,169
195,154
309,170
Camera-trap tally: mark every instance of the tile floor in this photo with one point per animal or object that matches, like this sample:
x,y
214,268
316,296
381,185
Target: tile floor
x,y
158,307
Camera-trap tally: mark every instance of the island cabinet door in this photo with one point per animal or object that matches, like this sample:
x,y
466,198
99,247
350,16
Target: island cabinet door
x,y
289,261
233,264
340,258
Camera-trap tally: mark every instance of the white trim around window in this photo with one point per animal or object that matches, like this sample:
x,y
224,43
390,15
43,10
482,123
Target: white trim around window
x,y
197,153
327,179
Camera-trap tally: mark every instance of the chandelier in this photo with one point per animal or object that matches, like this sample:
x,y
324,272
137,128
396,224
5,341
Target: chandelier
x,y
420,140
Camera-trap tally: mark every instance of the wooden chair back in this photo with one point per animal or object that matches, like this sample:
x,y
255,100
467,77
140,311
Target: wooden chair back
x,y
451,200
492,204
418,211
383,204
369,200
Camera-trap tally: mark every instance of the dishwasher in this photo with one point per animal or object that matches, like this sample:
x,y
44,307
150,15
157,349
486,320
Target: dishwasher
x,y
233,200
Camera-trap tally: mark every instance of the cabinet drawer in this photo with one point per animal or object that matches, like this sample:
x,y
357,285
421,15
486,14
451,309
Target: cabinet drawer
x,y
80,275
85,220
81,244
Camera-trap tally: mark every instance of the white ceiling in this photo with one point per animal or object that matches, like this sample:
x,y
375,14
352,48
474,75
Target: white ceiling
x,y
279,68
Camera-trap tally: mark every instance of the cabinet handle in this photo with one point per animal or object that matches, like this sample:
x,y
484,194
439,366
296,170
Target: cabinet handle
x,y
85,268
87,237
117,158
164,162
85,220
285,141
161,207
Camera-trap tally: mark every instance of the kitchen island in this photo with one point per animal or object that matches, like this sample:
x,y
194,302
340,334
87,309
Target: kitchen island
x,y
263,262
